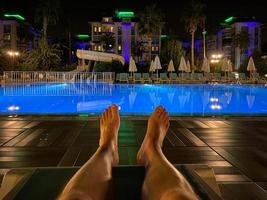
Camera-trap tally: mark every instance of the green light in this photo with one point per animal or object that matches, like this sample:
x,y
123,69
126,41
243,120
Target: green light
x,y
125,14
15,16
204,32
83,115
163,36
83,36
229,19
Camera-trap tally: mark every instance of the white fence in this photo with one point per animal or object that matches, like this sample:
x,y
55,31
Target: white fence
x,y
77,89
57,77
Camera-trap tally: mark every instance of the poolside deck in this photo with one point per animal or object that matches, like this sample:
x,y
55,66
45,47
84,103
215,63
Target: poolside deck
x,y
235,148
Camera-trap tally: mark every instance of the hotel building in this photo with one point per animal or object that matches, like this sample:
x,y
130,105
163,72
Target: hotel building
x,y
223,41
124,29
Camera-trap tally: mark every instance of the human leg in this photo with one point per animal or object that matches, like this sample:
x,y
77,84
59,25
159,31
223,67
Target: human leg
x,y
162,181
92,181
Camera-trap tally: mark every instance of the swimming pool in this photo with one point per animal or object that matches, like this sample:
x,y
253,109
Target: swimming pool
x,y
133,99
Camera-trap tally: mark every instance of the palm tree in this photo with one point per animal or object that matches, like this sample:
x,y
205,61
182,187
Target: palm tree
x,y
193,16
108,41
151,23
172,49
47,14
44,57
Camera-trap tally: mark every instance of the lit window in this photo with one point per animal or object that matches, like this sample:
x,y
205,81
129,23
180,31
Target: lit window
x,y
99,29
153,48
119,47
106,19
95,48
111,29
95,29
99,48
7,37
157,48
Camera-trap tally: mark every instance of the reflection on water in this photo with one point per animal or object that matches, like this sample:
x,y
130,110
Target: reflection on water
x,y
133,99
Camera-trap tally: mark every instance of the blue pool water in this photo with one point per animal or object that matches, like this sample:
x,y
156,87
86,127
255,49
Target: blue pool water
x,y
134,99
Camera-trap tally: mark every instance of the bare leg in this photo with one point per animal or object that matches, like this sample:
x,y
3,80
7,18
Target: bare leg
x,y
162,181
92,181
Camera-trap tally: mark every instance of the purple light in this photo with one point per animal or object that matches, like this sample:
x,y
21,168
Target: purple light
x,y
81,45
251,24
126,33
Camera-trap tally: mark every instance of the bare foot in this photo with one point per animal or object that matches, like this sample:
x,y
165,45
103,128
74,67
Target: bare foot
x,y
158,125
109,128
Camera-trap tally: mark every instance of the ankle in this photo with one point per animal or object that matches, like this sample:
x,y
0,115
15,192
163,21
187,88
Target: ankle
x,y
152,150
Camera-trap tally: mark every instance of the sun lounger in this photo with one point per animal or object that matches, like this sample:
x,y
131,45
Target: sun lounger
x,y
207,77
197,77
164,78
146,78
118,77
124,77
184,76
232,78
137,78
218,77
257,79
242,76
35,183
173,77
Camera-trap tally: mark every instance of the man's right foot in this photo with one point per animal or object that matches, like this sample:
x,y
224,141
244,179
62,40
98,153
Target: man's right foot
x,y
158,124
109,128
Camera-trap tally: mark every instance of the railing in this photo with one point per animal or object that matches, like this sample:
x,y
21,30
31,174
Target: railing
x,y
57,77
59,89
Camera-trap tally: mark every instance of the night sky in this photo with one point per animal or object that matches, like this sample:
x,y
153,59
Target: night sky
x,y
81,12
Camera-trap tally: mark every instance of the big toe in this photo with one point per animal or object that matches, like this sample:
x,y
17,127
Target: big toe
x,y
159,110
114,107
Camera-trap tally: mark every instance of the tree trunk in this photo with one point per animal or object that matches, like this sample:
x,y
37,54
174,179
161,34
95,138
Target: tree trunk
x,y
70,55
192,50
150,47
45,23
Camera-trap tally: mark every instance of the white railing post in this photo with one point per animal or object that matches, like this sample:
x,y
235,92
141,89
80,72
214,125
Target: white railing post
x,y
57,77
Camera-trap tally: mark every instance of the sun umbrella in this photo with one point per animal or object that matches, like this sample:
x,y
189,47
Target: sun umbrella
x,y
188,67
182,65
132,66
229,66
171,67
251,66
157,65
152,66
226,66
206,66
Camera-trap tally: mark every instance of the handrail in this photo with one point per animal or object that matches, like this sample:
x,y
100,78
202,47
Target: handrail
x,y
57,77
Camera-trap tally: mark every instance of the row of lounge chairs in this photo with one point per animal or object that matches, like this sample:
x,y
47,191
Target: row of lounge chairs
x,y
187,78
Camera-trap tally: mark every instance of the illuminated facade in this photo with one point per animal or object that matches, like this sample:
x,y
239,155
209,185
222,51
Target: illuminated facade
x,y
8,34
124,30
223,42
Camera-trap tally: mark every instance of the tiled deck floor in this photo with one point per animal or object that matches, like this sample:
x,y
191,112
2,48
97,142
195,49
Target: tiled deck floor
x,y
235,149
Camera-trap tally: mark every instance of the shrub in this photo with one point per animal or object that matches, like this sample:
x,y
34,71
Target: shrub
x,y
113,66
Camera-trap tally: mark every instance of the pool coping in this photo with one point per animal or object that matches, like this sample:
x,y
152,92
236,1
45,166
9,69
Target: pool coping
x,y
128,117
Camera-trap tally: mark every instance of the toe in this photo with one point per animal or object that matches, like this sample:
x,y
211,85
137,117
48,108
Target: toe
x,y
109,112
159,110
105,114
163,114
